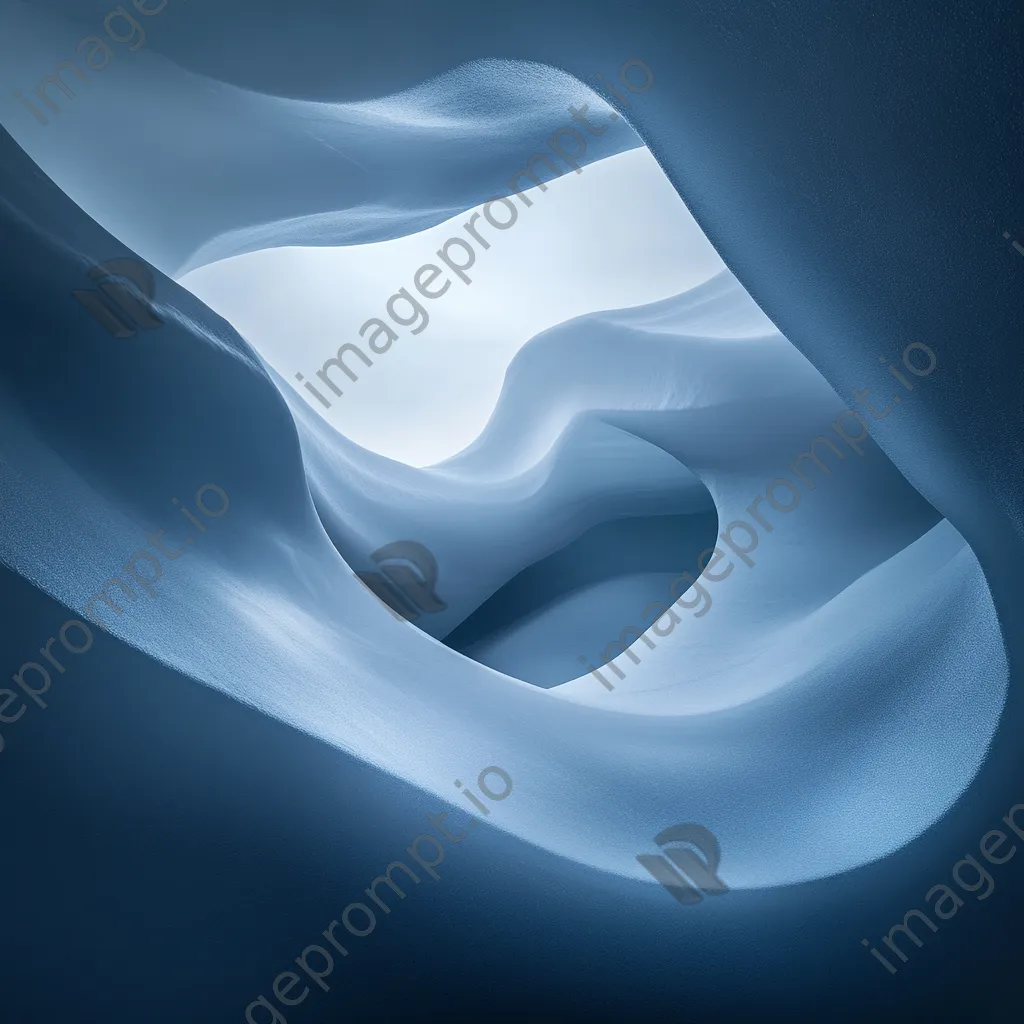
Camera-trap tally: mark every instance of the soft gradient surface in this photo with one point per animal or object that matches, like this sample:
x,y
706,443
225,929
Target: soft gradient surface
x,y
257,739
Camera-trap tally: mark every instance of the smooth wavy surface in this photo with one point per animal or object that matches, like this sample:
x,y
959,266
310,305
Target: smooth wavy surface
x,y
302,641
843,692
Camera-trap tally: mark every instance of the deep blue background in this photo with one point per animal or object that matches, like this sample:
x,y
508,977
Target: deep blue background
x,y
169,851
